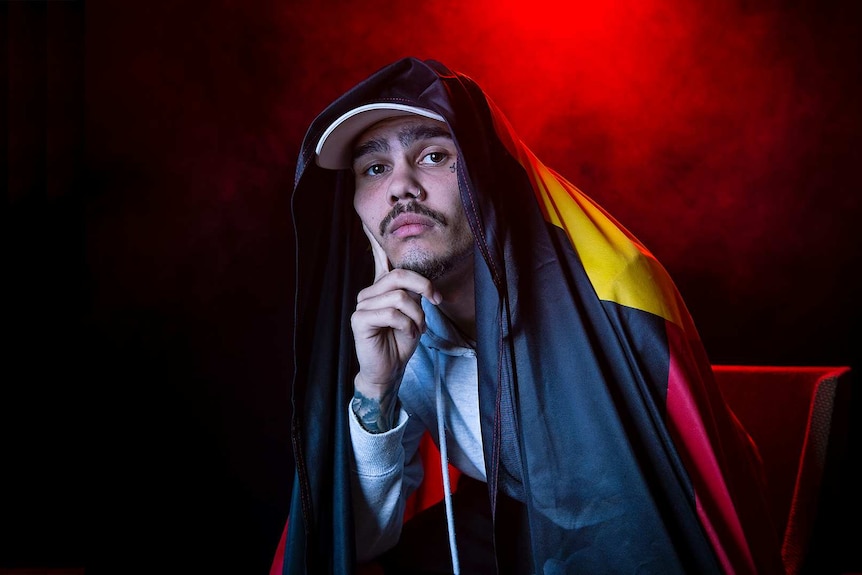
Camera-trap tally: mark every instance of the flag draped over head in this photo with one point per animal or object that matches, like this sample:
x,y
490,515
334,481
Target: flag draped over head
x,y
598,405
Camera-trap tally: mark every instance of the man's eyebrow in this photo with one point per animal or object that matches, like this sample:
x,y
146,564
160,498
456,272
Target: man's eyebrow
x,y
412,133
370,147
406,136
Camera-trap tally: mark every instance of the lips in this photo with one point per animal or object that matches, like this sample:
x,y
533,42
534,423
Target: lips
x,y
400,211
405,225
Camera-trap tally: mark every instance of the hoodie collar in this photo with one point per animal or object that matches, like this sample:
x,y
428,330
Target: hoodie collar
x,y
442,334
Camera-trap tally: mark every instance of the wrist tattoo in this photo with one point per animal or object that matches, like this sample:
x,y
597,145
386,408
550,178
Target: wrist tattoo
x,y
375,415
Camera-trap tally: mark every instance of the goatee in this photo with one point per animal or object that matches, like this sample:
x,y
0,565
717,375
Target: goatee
x,y
433,268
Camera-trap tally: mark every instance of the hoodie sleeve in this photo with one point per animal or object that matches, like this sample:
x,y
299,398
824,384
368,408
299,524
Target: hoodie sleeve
x,y
386,470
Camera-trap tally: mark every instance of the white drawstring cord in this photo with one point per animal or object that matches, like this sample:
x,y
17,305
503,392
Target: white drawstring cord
x,y
444,464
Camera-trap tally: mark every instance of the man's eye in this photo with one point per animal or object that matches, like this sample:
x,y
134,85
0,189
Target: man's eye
x,y
434,158
375,170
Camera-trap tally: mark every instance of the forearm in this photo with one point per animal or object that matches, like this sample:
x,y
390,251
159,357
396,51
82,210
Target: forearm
x,y
376,414
377,482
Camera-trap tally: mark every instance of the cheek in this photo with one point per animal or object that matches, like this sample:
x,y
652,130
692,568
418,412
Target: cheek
x,y
365,212
460,222
361,206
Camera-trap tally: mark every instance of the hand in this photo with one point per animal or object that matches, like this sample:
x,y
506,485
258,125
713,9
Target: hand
x,y
387,324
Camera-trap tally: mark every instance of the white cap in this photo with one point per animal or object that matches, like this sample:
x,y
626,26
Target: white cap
x,y
334,149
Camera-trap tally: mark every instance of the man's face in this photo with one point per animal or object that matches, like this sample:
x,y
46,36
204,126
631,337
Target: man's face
x,y
407,194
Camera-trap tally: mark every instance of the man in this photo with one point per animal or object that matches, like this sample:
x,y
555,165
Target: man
x,y
407,196
543,347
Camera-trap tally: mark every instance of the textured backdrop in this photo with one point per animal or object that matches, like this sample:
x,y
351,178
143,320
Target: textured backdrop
x,y
150,157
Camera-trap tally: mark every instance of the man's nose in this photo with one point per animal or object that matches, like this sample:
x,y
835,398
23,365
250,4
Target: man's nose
x,y
404,186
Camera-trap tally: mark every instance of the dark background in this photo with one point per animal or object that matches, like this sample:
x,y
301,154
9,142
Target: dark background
x,y
149,158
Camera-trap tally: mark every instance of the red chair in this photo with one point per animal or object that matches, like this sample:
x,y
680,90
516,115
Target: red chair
x,y
800,419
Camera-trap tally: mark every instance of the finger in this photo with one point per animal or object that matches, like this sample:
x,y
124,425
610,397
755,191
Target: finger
x,y
368,323
401,279
402,301
381,262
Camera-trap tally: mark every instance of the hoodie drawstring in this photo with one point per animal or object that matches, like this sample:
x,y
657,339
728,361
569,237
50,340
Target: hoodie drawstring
x,y
444,462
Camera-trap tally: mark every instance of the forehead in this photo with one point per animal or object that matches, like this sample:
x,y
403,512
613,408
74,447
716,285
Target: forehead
x,y
402,129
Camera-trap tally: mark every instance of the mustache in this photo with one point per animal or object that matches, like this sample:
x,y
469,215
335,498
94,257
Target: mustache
x,y
412,207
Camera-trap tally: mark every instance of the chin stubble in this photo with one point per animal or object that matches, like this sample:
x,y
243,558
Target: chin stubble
x,y
431,267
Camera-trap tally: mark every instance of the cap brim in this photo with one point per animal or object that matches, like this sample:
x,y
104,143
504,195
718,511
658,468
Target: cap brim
x,y
335,148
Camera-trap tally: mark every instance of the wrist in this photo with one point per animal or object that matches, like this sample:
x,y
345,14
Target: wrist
x,y
374,389
376,411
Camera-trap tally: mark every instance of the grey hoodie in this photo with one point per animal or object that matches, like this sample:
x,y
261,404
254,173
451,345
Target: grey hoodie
x,y
386,466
